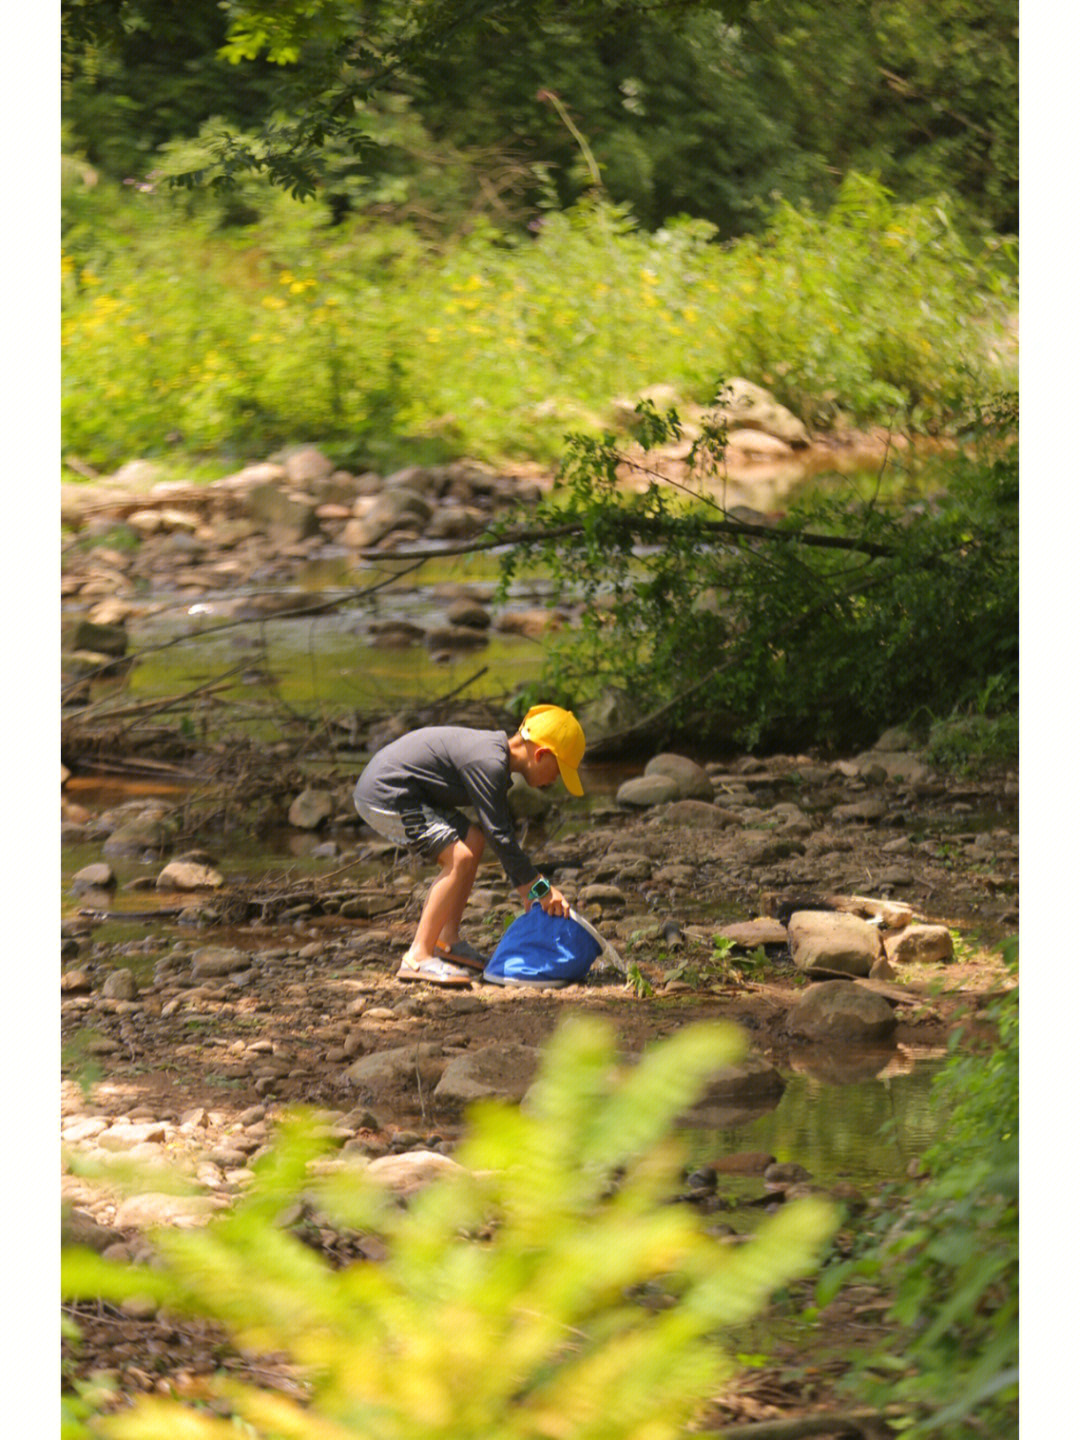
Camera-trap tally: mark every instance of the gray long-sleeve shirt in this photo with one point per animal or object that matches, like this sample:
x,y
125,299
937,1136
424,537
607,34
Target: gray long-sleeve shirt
x,y
450,765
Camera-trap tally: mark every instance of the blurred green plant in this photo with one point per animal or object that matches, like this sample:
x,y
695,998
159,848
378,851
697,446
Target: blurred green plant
x,y
178,334
505,1305
948,1254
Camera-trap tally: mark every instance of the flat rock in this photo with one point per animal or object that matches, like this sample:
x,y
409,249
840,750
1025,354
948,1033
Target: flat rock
x,y
749,934
387,1070
217,960
413,1171
139,1212
502,1072
644,791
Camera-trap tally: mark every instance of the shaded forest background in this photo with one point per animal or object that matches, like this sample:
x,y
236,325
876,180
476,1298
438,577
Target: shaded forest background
x,y
416,233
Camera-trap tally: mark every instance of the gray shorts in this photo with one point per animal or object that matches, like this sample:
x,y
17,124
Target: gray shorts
x,y
424,831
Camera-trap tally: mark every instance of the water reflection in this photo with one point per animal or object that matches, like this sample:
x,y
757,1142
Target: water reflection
x,y
844,1122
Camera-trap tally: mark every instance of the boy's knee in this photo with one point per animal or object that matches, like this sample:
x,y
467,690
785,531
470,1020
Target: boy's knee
x,y
464,854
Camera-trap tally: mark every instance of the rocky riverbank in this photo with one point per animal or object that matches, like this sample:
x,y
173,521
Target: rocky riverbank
x,y
842,912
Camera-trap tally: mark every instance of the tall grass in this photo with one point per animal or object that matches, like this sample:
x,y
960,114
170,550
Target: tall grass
x,y
180,332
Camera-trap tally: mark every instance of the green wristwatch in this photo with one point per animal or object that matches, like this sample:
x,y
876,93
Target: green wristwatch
x,y
539,888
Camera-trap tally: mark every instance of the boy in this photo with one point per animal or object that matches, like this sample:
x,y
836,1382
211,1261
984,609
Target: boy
x,y
409,792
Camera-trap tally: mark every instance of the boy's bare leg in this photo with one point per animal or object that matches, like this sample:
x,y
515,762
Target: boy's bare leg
x,y
448,896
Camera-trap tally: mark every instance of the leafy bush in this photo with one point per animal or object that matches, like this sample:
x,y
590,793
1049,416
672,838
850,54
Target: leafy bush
x,y
508,1304
177,332
841,619
949,1256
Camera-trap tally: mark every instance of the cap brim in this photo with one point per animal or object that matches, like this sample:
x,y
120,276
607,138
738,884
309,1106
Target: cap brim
x,y
570,779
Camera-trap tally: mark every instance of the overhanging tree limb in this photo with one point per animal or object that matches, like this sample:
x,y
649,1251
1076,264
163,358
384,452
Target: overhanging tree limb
x,y
641,525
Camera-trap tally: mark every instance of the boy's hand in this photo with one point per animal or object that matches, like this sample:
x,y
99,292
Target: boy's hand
x,y
555,903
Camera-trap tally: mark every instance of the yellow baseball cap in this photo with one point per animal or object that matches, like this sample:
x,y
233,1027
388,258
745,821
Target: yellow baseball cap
x,y
558,731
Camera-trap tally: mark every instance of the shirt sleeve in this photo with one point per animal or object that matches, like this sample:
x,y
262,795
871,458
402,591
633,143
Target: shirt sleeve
x,y
489,790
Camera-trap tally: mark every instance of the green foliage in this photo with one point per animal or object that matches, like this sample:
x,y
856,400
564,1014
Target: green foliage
x,y
505,1306
177,332
949,1256
709,108
980,736
821,629
927,96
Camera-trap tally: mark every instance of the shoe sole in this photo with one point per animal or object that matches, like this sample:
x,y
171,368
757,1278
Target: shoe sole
x,y
449,981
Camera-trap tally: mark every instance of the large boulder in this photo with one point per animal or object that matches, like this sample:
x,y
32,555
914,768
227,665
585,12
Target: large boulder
x,y
825,940
742,405
691,778
307,465
120,984
839,1010
525,801
899,765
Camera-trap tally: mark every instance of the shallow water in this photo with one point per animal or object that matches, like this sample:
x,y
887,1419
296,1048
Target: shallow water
x,y
324,662
863,1130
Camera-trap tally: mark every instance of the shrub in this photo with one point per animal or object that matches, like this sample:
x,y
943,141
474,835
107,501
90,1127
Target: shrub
x,y
841,619
508,1304
949,1256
